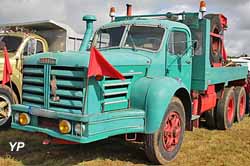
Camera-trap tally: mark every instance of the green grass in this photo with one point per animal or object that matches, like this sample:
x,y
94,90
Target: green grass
x,y
200,147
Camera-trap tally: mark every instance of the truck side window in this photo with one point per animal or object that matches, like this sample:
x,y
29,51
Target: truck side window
x,y
177,43
30,47
39,47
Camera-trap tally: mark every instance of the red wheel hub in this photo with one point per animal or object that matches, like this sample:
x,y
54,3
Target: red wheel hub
x,y
172,131
230,109
242,106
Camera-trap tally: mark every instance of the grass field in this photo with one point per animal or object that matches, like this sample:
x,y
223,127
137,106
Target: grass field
x,y
200,147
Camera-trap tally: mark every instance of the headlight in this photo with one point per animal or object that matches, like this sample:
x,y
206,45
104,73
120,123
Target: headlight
x,y
79,128
64,126
23,118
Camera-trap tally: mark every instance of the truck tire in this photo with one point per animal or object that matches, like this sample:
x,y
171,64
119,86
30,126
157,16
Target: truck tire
x,y
210,119
215,49
240,96
247,104
226,110
7,97
163,146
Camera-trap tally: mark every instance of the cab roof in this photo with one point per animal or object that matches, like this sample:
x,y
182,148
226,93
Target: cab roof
x,y
167,20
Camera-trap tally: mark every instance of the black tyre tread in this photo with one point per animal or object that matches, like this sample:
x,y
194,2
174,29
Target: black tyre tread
x,y
150,140
238,91
210,119
8,92
149,148
221,122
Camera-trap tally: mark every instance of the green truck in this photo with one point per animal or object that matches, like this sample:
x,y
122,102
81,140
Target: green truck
x,y
175,74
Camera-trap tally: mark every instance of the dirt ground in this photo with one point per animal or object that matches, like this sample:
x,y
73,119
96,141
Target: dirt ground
x,y
200,147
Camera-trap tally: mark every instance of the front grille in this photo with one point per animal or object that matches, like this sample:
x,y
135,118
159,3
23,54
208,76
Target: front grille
x,y
69,81
70,85
33,85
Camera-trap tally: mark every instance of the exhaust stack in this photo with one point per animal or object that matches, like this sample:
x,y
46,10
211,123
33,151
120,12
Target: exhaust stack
x,y
89,31
129,10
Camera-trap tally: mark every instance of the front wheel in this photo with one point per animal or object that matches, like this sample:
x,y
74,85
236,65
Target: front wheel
x,y
7,97
163,146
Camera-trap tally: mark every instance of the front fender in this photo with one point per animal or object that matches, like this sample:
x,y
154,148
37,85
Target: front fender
x,y
153,95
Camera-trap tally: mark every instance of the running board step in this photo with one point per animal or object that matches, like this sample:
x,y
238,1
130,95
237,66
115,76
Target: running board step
x,y
195,117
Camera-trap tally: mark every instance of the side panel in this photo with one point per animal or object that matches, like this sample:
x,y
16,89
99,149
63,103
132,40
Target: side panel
x,y
203,74
154,95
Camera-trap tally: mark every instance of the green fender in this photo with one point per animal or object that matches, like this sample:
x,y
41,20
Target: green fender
x,y
153,95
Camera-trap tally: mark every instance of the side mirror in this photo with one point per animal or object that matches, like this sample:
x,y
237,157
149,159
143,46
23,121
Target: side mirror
x,y
195,44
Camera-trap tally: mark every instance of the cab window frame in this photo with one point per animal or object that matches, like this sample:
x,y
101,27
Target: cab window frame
x,y
187,45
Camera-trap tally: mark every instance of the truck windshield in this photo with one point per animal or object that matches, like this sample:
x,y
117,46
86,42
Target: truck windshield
x,y
11,42
110,37
144,37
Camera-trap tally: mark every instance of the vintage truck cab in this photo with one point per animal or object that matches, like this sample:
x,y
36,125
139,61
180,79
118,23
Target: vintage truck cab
x,y
19,45
168,84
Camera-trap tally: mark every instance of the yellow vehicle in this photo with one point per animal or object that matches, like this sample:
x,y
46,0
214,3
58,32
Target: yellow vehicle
x,y
19,46
23,40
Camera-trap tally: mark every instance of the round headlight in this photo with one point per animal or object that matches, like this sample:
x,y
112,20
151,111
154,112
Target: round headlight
x,y
79,128
24,119
64,126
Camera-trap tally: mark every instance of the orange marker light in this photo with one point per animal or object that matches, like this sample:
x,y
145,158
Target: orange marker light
x,y
203,6
112,12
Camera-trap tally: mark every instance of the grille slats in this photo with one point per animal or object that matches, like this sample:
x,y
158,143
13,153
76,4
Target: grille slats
x,y
115,93
33,87
70,84
69,81
31,80
72,93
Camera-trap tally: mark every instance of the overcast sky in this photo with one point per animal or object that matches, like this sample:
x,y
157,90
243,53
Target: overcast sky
x,y
71,12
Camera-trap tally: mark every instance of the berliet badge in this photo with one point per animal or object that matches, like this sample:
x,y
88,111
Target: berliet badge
x,y
53,89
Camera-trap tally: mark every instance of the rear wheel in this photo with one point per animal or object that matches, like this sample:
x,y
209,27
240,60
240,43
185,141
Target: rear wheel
x,y
210,119
226,110
163,146
240,95
7,97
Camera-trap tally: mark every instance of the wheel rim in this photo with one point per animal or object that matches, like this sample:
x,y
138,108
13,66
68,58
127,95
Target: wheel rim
x,y
230,109
5,109
172,131
242,106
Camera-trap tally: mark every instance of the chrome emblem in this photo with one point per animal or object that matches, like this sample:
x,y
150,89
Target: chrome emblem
x,y
53,89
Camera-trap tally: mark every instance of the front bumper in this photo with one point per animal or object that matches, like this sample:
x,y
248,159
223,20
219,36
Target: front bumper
x,y
97,127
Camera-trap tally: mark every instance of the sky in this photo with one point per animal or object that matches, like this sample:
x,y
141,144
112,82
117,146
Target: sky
x,y
237,36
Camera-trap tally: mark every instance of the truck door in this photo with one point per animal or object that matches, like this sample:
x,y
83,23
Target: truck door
x,y
179,56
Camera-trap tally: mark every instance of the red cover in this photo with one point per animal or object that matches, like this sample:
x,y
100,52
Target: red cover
x,y
98,65
7,70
